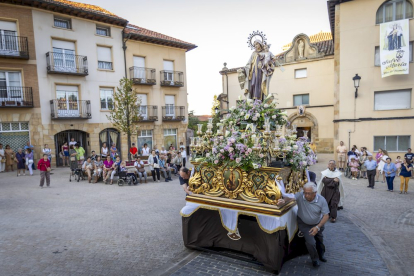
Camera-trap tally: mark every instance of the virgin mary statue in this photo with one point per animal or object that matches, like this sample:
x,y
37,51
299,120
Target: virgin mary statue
x,y
256,80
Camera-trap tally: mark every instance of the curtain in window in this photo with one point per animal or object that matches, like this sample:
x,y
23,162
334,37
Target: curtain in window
x,y
102,137
379,142
380,15
388,12
408,9
114,137
399,10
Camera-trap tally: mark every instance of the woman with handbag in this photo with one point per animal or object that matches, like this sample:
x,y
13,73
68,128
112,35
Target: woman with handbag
x,y
9,158
154,165
72,158
20,160
29,158
44,166
140,168
2,159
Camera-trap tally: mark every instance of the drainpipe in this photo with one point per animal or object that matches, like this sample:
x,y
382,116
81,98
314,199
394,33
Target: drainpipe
x,y
125,38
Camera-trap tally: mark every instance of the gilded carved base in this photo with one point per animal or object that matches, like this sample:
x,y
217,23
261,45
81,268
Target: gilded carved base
x,y
256,186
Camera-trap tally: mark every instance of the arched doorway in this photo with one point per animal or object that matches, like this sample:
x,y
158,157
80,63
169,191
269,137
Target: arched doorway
x,y
109,136
306,122
65,136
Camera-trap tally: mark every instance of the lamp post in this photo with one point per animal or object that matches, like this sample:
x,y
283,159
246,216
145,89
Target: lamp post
x,y
356,80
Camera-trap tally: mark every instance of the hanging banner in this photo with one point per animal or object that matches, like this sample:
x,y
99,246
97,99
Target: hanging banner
x,y
394,48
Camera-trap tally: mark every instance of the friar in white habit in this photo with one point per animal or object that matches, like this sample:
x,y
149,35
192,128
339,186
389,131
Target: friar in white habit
x,y
331,188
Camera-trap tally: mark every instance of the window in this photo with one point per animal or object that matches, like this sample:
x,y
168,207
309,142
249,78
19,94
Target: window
x,y
63,23
107,98
170,138
300,99
169,105
168,70
394,10
392,143
8,38
396,99
68,101
102,31
104,58
14,134
377,58
10,87
64,56
301,73
145,138
143,108
139,70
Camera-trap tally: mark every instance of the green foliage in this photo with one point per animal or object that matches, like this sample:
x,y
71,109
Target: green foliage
x,y
125,114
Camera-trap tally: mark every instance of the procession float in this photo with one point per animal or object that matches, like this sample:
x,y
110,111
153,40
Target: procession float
x,y
244,168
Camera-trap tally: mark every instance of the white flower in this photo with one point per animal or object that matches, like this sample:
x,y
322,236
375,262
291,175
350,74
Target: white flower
x,y
242,114
295,147
254,118
227,133
266,106
246,117
232,108
274,117
288,148
249,101
207,154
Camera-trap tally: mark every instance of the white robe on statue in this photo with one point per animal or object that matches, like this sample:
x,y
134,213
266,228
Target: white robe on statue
x,y
332,174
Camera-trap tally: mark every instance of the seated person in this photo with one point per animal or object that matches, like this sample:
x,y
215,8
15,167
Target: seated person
x,y
133,151
178,161
116,166
98,168
93,156
140,170
164,169
108,167
354,164
88,167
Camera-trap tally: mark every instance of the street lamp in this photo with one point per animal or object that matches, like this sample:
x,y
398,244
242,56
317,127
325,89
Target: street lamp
x,y
356,80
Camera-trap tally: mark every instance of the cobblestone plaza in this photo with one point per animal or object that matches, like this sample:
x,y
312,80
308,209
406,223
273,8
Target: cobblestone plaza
x,y
95,229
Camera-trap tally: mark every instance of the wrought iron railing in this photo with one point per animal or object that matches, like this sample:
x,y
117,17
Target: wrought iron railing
x,y
142,75
16,96
172,78
70,109
62,63
148,113
14,47
173,113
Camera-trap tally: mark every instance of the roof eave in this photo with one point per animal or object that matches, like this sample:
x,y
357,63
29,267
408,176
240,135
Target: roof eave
x,y
161,41
69,10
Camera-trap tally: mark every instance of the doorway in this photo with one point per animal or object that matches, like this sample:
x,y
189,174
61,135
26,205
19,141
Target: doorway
x,y
65,136
301,132
110,136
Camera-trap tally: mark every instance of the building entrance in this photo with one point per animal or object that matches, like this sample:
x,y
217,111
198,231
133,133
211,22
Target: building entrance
x,y
65,136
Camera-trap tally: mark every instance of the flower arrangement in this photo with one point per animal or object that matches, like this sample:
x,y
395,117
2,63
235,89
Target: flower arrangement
x,y
250,111
234,150
299,155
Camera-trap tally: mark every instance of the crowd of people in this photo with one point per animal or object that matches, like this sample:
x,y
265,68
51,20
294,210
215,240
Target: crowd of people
x,y
375,168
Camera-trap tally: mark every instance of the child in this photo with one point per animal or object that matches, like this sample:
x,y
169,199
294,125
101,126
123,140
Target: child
x,y
354,168
398,163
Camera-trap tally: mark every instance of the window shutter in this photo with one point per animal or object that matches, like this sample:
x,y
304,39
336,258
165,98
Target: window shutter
x,y
139,61
168,65
169,99
399,99
61,44
104,54
68,88
8,26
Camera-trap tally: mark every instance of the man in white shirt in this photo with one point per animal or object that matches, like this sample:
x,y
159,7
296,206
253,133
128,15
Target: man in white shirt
x,y
72,142
140,170
184,156
163,151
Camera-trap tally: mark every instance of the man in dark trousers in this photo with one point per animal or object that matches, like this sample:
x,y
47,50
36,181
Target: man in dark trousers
x,y
371,171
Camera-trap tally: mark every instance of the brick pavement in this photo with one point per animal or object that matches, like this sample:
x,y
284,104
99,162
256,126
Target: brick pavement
x,y
95,229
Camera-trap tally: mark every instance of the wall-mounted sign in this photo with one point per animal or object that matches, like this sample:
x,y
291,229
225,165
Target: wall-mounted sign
x,y
394,48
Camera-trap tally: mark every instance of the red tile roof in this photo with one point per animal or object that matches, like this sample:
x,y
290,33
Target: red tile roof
x,y
84,6
146,35
321,36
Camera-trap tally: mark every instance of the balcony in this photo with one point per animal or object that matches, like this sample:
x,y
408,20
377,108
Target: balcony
x,y
14,47
68,64
142,75
149,113
16,96
172,78
173,113
70,109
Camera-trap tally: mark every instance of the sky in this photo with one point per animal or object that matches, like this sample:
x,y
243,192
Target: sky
x,y
220,29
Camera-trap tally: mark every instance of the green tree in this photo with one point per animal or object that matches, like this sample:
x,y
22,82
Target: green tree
x,y
125,115
192,121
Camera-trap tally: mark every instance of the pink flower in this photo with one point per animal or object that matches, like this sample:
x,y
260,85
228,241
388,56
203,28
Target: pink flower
x,y
215,161
232,140
222,150
238,160
249,150
261,155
